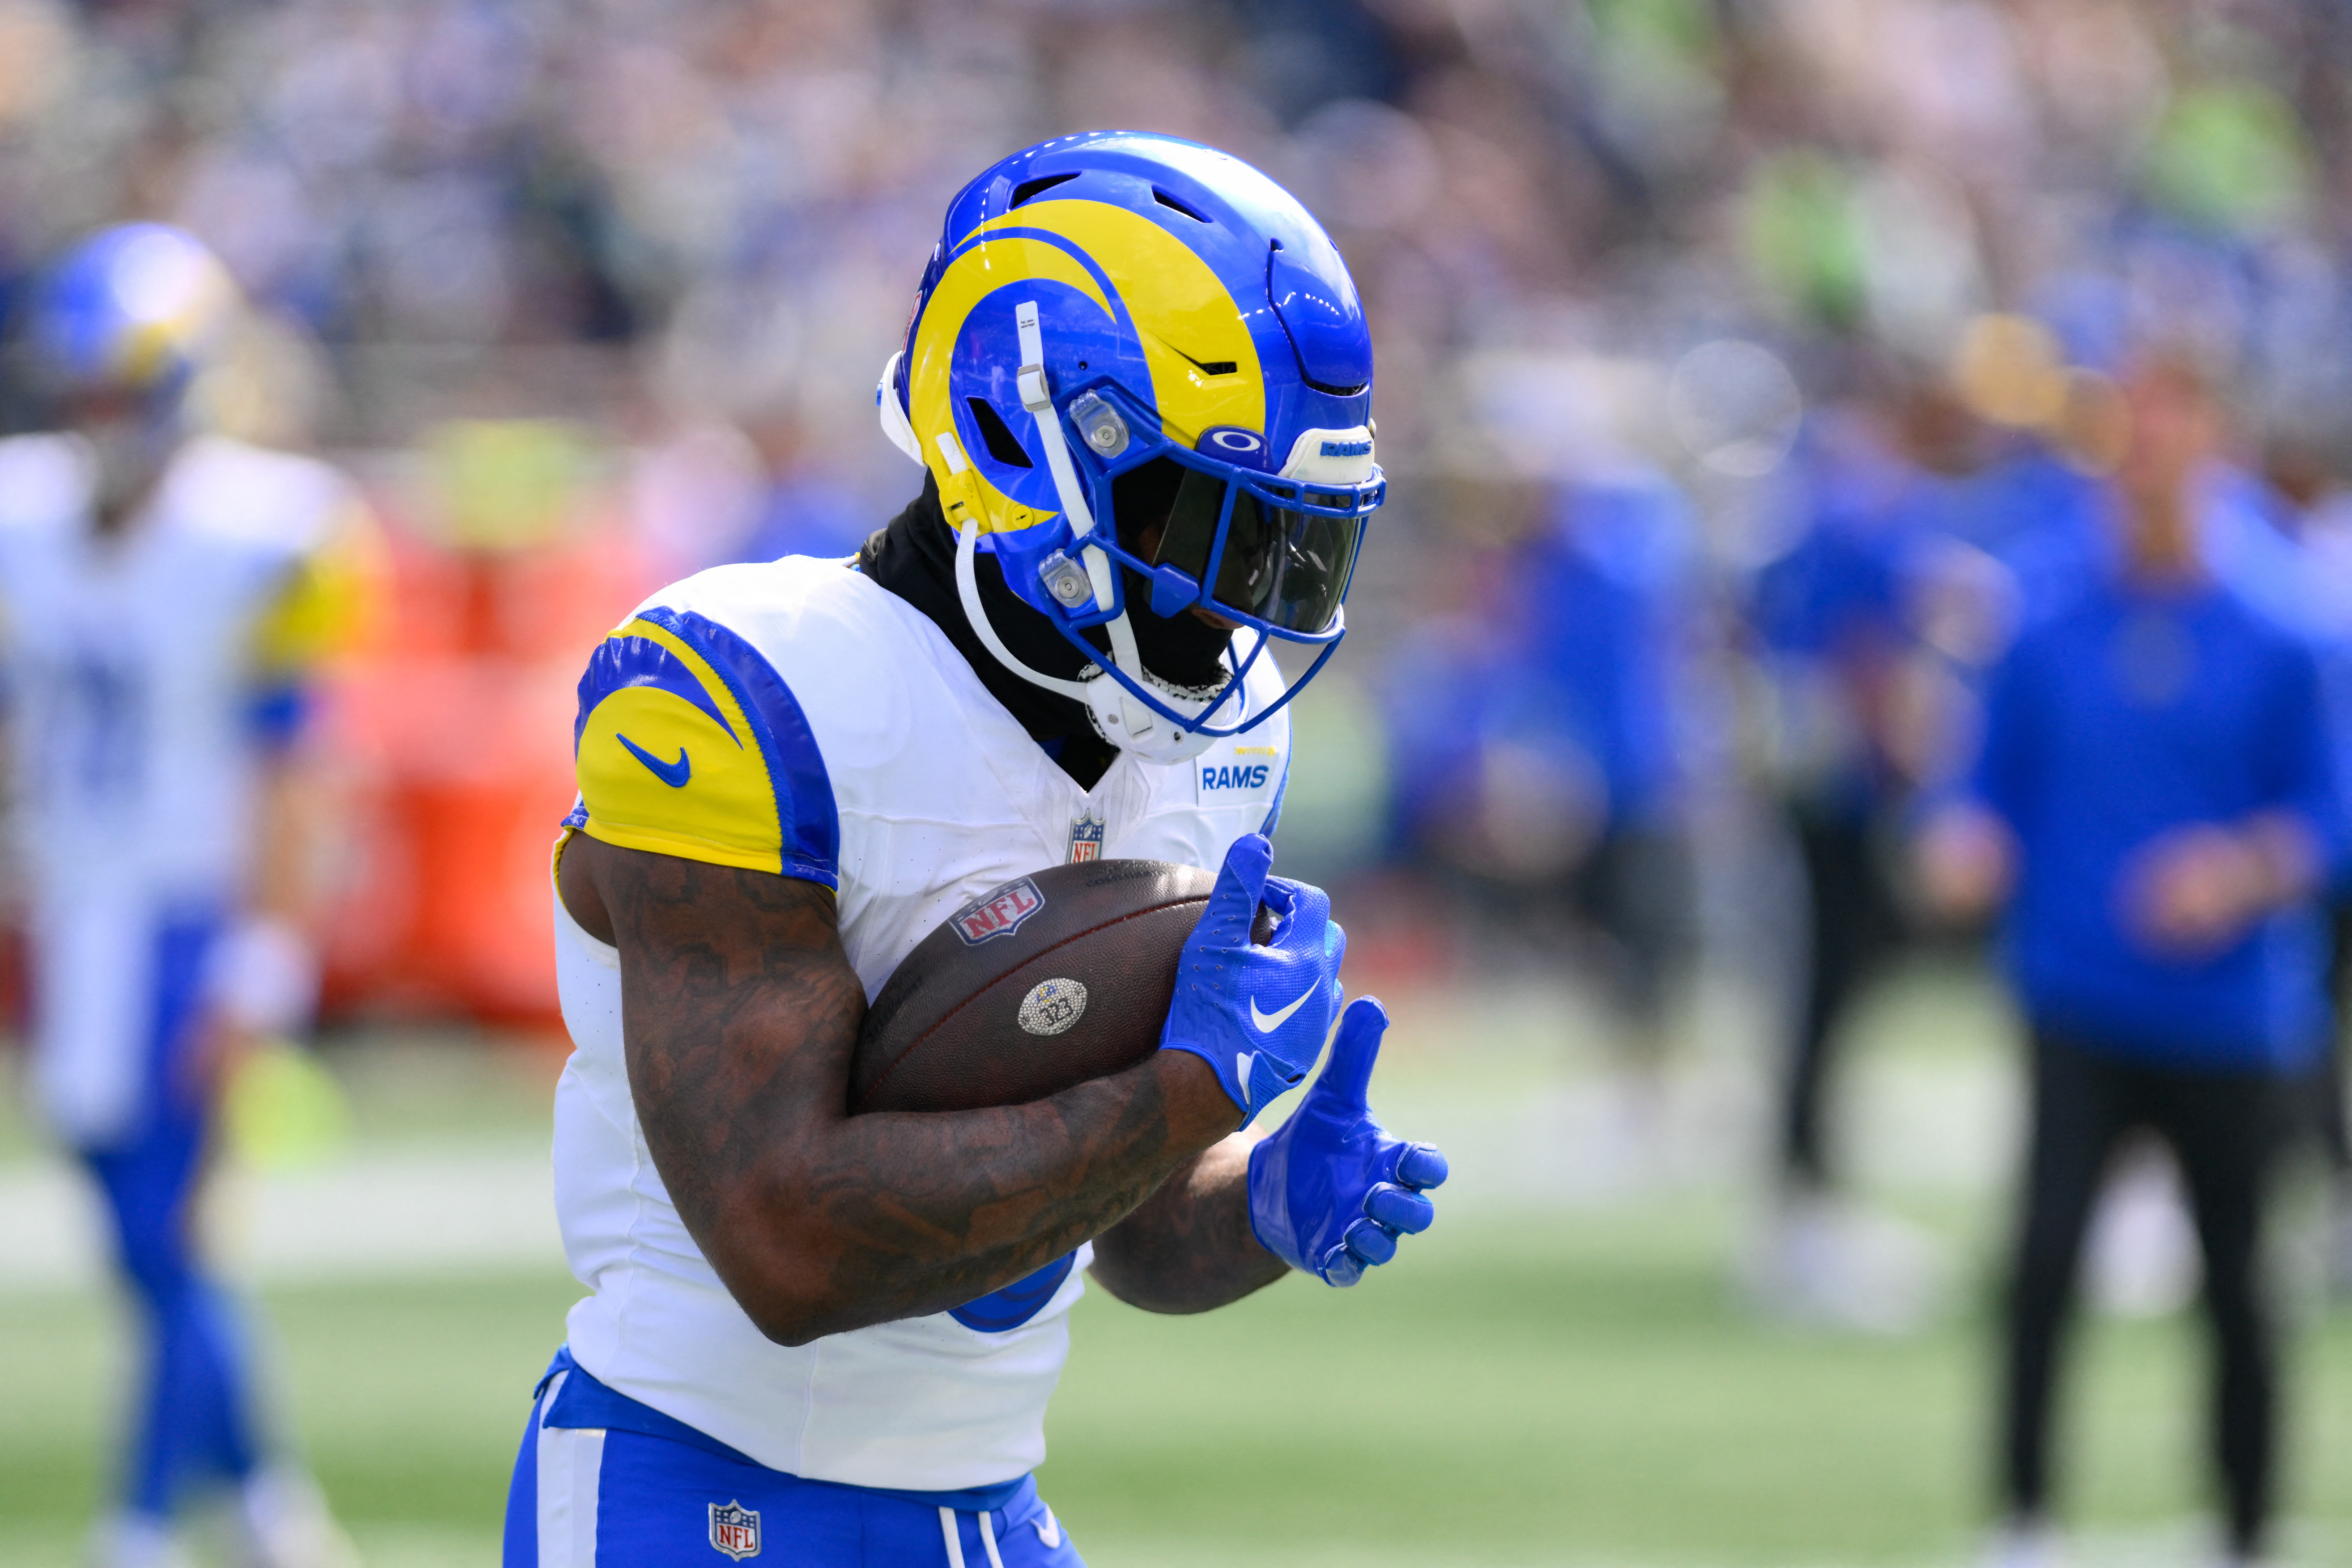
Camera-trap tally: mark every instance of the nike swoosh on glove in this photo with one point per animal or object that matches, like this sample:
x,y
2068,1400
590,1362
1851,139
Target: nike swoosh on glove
x,y
1331,1192
1257,1015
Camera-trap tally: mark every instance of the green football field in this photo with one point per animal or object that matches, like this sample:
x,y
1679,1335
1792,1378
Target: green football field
x,y
1540,1381
1578,1391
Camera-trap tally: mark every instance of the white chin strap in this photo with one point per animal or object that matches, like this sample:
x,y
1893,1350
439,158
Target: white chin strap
x,y
1118,716
1107,702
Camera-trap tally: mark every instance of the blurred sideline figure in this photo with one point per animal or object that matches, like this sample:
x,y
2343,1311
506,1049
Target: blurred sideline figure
x,y
163,596
1602,602
2155,803
1850,623
1534,757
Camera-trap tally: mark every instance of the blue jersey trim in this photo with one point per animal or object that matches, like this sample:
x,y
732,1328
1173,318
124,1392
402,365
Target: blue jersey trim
x,y
584,1403
1273,812
805,809
1001,1311
623,661
276,714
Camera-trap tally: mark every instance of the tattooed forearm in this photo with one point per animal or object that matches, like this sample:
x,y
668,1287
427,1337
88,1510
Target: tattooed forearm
x,y
1189,1248
740,1012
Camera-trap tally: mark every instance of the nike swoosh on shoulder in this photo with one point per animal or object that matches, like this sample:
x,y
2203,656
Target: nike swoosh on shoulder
x,y
674,775
1267,1023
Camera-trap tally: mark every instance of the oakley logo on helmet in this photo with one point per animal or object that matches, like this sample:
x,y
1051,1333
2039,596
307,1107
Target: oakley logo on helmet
x,y
1233,443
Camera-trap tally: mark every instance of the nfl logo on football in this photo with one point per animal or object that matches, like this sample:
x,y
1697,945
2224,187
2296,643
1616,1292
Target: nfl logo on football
x,y
999,913
1086,838
735,1530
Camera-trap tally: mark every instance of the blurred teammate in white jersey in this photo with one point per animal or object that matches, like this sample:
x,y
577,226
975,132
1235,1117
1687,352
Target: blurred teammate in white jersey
x,y
164,596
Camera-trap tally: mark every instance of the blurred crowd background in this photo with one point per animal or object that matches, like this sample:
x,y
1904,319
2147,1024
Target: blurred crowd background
x,y
1746,373
1743,367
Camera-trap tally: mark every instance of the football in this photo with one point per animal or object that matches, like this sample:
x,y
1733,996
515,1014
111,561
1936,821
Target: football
x,y
1047,981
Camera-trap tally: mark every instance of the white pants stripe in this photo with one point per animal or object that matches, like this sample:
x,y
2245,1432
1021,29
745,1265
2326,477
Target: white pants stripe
x,y
570,1464
954,1539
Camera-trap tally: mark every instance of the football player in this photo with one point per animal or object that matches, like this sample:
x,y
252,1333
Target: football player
x,y
164,597
1138,378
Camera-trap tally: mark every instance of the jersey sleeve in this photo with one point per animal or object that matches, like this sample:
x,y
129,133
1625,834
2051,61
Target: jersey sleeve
x,y
690,743
327,598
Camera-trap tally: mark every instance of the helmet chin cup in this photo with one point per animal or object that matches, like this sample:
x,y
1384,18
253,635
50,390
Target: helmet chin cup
x,y
1113,711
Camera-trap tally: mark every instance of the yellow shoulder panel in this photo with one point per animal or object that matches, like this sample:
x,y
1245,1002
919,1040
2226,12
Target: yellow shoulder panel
x,y
688,744
329,599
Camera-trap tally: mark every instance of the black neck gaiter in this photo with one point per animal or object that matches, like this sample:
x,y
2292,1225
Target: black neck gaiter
x,y
913,555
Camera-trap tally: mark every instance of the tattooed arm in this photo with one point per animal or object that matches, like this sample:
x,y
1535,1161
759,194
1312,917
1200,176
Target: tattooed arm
x,y
1190,1248
741,1010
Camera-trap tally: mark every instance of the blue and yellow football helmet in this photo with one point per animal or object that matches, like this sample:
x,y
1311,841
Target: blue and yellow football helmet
x,y
133,307
1134,351
136,307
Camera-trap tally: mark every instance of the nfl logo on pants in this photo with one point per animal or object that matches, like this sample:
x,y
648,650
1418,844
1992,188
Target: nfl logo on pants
x,y
735,1530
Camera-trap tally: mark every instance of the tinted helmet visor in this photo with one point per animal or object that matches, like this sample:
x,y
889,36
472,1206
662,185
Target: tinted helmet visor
x,y
1285,565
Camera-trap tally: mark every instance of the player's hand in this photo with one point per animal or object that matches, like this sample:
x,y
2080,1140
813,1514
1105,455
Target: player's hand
x,y
1257,1015
2197,889
1967,862
1331,1192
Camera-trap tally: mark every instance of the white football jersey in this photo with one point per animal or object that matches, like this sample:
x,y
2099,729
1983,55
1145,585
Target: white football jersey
x,y
796,717
133,666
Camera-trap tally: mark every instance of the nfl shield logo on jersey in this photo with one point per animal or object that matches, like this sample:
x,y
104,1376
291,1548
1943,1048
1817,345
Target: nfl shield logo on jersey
x,y
998,913
735,1530
1086,838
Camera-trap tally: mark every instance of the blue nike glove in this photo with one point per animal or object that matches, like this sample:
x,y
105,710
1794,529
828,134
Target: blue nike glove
x,y
1257,1015
1331,1192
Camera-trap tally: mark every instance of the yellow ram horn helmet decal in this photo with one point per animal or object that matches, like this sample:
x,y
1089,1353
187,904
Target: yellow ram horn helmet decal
x,y
1148,287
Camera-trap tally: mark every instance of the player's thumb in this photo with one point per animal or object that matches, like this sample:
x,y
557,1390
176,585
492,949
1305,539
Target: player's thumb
x,y
1348,1075
1241,881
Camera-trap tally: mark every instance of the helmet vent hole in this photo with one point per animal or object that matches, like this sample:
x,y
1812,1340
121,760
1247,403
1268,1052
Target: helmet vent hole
x,y
1001,443
1180,203
1029,190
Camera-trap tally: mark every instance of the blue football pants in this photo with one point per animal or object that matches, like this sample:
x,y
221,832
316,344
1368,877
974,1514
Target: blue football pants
x,y
583,1497
192,1419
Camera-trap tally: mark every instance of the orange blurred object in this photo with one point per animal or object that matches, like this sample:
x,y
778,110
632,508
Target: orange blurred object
x,y
453,739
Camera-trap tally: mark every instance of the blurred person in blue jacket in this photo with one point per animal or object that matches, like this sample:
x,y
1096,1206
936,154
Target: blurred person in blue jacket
x,y
1607,599
166,596
2156,804
1537,739
1829,618
1932,539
